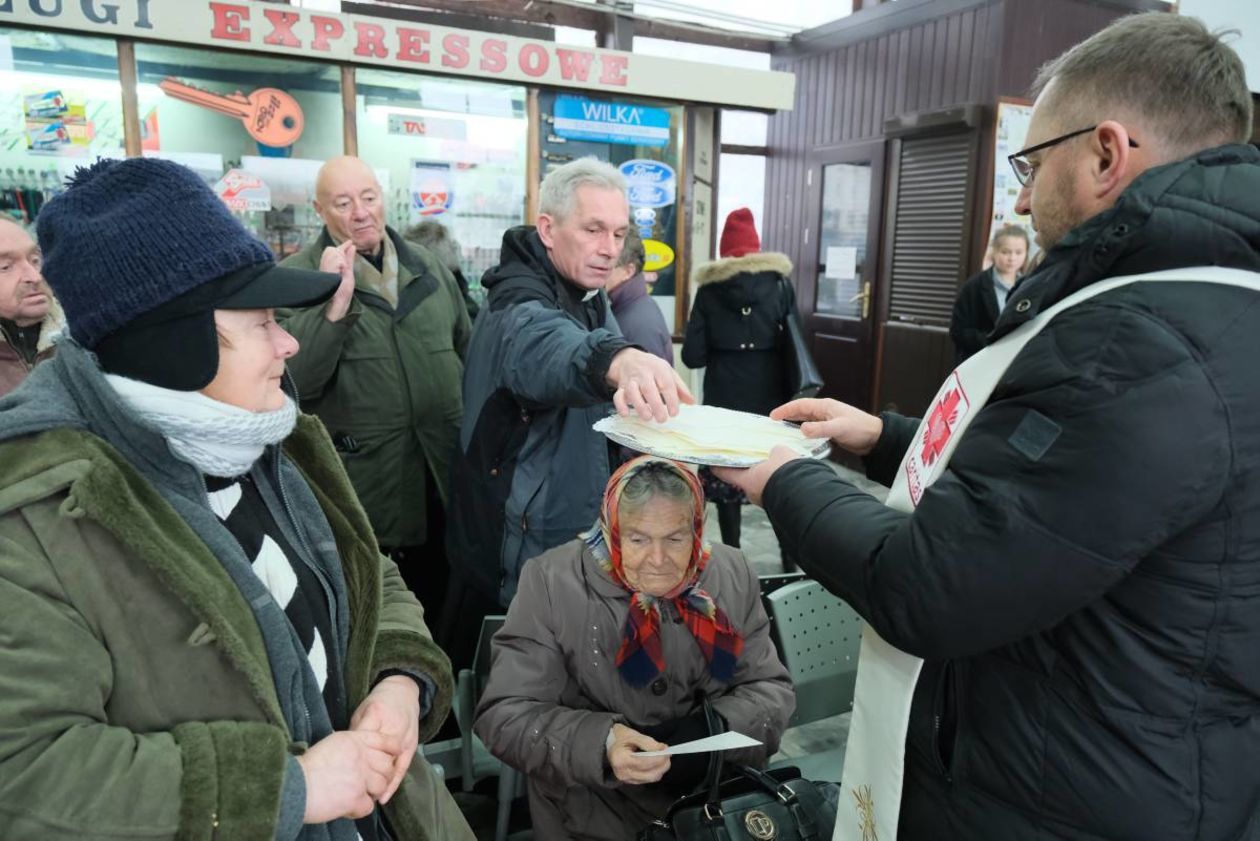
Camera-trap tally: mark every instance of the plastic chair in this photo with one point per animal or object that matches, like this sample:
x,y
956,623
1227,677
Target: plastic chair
x,y
770,583
773,581
819,637
475,761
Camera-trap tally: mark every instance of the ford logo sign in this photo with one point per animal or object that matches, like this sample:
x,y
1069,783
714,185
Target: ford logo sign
x,y
641,171
646,195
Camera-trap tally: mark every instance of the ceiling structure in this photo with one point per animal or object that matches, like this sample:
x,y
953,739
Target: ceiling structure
x,y
617,22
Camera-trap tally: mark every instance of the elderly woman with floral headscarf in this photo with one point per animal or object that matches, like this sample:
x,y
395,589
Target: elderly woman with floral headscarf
x,y
609,646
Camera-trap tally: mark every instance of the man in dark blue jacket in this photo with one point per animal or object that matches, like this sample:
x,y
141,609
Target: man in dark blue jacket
x,y
1083,580
546,360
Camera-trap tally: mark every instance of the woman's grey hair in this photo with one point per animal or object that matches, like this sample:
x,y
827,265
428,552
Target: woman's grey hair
x,y
1185,83
655,480
633,253
436,237
558,193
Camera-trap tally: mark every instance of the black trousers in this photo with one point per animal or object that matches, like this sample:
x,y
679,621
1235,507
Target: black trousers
x,y
424,567
462,614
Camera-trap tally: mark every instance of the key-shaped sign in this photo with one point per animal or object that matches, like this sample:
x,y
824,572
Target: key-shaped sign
x,y
271,116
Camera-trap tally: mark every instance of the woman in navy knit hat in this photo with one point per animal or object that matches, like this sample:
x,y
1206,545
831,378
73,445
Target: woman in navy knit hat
x,y
200,638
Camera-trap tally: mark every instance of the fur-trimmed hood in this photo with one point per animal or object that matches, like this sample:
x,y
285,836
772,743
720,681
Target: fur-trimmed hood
x,y
727,268
53,326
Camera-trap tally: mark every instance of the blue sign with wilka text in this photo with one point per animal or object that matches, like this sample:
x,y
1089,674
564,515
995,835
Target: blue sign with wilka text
x,y
579,118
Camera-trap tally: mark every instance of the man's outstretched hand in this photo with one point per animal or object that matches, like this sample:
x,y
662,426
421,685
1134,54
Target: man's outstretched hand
x,y
647,385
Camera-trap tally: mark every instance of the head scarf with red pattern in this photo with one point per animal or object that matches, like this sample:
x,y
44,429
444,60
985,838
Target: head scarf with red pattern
x,y
640,659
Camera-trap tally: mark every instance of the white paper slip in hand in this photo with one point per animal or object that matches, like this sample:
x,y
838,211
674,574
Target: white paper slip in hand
x,y
722,741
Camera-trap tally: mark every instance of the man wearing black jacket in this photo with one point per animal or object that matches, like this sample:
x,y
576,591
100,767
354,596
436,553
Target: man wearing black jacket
x,y
1083,580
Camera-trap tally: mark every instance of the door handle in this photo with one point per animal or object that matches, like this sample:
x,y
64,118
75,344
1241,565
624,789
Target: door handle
x,y
865,297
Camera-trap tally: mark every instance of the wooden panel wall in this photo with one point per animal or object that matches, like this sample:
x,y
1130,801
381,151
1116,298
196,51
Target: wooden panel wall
x,y
845,95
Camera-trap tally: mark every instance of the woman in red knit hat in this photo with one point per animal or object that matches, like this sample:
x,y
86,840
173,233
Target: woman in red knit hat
x,y
736,334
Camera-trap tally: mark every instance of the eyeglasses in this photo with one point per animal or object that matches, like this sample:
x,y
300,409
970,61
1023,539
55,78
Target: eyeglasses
x,y
1024,170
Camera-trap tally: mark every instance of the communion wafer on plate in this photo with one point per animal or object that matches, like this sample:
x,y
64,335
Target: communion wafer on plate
x,y
711,435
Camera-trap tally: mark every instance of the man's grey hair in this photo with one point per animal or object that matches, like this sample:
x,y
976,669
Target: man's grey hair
x,y
1183,82
558,193
436,237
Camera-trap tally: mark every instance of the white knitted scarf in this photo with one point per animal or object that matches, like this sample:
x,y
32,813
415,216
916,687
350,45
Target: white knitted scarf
x,y
217,438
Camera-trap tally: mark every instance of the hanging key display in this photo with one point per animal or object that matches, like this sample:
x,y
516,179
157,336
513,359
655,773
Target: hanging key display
x,y
270,115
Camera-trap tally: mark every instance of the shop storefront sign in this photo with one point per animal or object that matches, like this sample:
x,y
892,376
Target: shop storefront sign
x,y
431,189
409,125
579,118
242,191
649,184
358,39
657,256
270,116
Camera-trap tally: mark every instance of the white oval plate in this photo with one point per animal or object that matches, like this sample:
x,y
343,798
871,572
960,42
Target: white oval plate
x,y
711,436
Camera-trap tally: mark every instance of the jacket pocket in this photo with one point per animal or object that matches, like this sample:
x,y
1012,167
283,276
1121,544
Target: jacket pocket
x,y
946,702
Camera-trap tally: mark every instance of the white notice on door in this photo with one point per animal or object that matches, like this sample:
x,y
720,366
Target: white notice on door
x,y
841,263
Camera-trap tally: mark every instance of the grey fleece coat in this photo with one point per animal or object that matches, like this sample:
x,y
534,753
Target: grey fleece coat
x,y
554,690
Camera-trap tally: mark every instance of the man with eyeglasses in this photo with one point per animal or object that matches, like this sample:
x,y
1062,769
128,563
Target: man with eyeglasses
x,y
381,365
1065,585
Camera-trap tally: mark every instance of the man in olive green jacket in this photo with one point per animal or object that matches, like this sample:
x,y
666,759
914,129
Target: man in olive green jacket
x,y
381,365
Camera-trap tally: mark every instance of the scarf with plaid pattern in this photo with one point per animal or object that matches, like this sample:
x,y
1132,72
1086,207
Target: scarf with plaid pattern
x,y
640,659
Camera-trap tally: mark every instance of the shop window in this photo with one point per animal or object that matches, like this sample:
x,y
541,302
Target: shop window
x,y
745,128
249,118
641,139
448,150
60,108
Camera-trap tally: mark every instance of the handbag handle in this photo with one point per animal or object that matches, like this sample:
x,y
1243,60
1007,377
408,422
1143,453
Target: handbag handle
x,y
713,777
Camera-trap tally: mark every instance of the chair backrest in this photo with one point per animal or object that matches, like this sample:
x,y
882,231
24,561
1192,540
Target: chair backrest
x,y
819,637
770,583
481,659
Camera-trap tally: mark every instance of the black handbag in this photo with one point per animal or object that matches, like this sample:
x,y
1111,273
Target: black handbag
x,y
800,372
746,805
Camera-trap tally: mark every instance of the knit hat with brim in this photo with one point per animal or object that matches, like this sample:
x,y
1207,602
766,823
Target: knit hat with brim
x,y
141,252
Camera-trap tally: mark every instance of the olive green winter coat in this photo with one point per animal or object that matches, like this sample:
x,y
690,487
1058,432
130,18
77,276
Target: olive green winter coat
x,y
386,381
136,700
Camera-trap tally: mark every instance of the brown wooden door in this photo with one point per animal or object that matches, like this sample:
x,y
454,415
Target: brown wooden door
x,y
835,292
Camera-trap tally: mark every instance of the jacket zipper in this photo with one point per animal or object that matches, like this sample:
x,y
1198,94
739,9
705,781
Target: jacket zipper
x,y
26,366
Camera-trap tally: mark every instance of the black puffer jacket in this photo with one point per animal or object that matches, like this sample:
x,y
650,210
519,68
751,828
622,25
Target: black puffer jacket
x,y
735,331
1084,579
